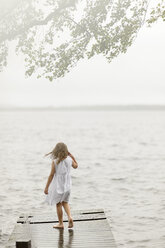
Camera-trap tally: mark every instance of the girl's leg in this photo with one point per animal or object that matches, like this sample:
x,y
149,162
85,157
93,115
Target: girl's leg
x,y
67,210
60,216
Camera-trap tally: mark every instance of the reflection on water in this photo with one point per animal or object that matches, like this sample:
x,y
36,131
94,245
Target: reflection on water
x,y
61,242
71,232
61,238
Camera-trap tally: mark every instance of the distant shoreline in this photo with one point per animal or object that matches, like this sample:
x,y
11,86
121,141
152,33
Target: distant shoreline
x,y
87,108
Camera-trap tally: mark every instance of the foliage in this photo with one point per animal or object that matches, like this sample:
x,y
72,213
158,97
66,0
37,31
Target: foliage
x,y
157,13
53,35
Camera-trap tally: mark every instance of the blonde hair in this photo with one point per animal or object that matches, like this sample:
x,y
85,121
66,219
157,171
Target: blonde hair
x,y
59,152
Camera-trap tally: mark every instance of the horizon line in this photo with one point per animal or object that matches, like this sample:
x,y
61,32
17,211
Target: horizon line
x,y
89,107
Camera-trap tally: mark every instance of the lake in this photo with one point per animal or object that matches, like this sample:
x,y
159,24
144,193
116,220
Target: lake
x,y
121,161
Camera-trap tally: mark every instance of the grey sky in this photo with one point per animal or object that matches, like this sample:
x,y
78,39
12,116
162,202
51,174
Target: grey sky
x,y
136,77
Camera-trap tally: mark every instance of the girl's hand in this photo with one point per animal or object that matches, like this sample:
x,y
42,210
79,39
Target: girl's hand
x,y
70,154
46,191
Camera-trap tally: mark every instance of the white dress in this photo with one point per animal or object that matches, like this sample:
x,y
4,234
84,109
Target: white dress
x,y
60,186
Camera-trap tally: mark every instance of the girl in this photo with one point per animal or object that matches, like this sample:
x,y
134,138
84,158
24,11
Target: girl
x,y
58,185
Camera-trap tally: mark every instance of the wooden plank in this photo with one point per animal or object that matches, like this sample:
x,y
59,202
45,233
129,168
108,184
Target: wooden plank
x,y
52,217
91,230
23,244
92,234
20,233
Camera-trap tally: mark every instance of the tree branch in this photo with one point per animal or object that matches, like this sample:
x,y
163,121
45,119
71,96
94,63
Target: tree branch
x,y
85,30
13,34
21,30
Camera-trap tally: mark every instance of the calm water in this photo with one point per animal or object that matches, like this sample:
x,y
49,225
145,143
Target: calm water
x,y
121,160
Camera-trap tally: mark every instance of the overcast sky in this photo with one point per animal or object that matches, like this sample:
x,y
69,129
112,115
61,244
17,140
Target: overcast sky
x,y
137,77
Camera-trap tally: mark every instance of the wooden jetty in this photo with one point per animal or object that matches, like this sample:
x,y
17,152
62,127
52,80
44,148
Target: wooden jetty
x,y
91,230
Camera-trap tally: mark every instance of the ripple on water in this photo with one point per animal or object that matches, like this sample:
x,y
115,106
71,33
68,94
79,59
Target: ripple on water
x,y
119,169
118,179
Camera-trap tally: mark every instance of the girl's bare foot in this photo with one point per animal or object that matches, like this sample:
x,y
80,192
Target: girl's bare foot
x,y
70,223
60,226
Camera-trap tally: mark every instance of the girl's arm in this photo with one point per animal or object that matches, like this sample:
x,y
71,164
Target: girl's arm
x,y
50,178
74,162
